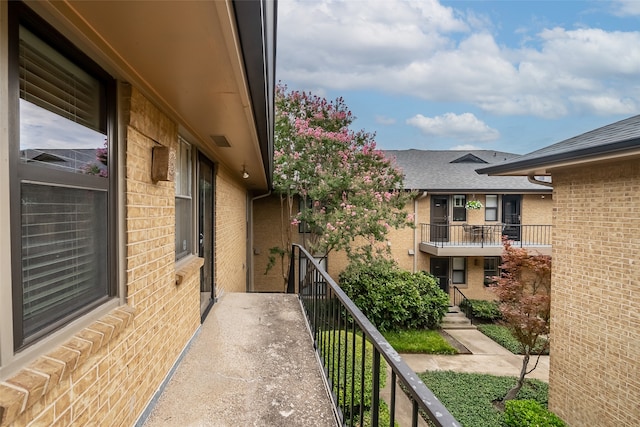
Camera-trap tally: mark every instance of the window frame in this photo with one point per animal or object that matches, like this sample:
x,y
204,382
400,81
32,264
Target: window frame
x,y
488,208
179,195
497,270
454,270
459,210
20,172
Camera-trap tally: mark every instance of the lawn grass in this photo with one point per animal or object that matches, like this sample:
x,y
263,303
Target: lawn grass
x,y
503,336
419,341
469,397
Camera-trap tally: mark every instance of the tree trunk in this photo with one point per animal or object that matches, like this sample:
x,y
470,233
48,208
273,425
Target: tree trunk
x,y
511,394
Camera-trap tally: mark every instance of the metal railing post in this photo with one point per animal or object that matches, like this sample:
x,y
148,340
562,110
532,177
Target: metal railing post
x,y
291,284
334,320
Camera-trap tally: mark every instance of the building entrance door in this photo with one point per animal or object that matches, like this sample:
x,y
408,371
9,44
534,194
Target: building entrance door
x,y
440,269
206,233
511,206
439,219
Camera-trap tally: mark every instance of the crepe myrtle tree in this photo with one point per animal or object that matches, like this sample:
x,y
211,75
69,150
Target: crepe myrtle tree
x,y
523,291
331,180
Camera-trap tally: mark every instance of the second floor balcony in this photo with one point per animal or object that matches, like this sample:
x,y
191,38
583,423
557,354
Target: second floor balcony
x,y
482,239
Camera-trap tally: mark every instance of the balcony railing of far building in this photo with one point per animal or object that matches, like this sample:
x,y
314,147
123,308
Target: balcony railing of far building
x,y
485,235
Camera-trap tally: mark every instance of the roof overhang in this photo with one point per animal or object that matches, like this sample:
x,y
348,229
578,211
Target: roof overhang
x,y
531,165
486,190
210,65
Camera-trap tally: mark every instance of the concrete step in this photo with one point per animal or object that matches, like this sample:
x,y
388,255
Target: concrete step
x,y
456,319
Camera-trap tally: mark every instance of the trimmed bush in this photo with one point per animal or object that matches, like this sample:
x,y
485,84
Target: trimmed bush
x,y
392,298
529,413
481,309
333,345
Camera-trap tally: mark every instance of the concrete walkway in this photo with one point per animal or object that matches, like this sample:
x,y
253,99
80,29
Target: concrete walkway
x,y
252,364
487,357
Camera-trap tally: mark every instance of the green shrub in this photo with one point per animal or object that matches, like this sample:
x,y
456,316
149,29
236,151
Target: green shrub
x,y
503,336
529,413
392,298
470,397
481,309
384,416
332,345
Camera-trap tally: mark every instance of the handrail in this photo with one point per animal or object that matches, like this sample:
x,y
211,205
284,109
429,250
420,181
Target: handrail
x,y
330,313
456,291
485,235
457,300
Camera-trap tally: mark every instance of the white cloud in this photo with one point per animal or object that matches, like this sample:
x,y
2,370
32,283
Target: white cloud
x,y
463,127
385,120
425,50
626,7
465,147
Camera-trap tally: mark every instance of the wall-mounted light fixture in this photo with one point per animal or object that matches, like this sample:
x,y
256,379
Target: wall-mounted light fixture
x,y
245,174
163,164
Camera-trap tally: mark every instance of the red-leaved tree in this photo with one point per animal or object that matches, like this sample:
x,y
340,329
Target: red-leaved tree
x,y
523,290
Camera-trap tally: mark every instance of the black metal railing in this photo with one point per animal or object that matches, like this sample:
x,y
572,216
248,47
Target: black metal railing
x,y
485,235
458,296
458,300
353,354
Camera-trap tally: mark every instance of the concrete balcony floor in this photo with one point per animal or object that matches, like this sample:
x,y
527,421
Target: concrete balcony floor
x,y
252,364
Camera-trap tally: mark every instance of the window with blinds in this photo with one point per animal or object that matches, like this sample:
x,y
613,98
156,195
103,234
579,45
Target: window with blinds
x,y
64,260
184,201
63,220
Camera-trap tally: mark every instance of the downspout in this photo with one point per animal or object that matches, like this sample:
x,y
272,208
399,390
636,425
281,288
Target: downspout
x,y
532,179
417,230
250,284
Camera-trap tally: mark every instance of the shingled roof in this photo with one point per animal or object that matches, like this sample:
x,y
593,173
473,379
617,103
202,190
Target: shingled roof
x,y
455,171
615,140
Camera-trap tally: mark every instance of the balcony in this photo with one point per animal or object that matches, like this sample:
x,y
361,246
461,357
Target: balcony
x,y
284,359
482,239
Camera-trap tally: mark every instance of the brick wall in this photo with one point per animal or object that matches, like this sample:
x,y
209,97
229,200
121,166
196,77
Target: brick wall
x,y
595,306
267,233
107,373
230,233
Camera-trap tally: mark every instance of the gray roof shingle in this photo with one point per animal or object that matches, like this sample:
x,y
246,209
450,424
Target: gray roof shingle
x,y
617,137
437,170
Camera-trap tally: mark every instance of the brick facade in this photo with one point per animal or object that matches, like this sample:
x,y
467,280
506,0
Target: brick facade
x,y
267,233
536,210
595,312
107,373
230,233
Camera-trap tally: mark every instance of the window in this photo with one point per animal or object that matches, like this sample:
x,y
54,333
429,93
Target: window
x,y
459,210
459,270
491,269
491,207
63,221
184,203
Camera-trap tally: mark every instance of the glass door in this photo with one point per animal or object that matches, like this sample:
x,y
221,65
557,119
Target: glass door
x,y
439,219
440,269
206,234
511,204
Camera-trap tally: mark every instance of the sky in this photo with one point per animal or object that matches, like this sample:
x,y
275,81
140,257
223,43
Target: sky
x,y
510,76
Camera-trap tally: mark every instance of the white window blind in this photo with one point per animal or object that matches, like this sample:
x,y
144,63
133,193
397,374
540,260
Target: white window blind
x,y
51,81
64,260
64,209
